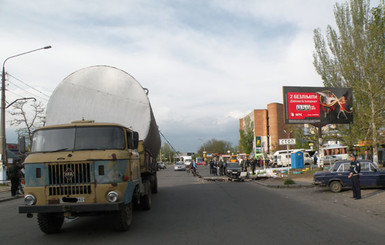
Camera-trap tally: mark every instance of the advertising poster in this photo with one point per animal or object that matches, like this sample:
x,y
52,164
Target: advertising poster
x,y
323,105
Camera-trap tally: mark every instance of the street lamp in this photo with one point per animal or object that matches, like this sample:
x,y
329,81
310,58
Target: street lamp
x,y
3,146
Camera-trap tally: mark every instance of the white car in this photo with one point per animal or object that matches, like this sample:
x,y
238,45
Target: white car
x,y
179,166
330,159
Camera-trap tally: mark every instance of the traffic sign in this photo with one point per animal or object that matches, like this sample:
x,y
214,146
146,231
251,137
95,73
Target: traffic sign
x,y
286,141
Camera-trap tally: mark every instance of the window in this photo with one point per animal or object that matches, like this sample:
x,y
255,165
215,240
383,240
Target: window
x,y
78,138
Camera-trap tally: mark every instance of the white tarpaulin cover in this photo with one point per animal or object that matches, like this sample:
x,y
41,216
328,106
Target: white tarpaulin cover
x,y
102,94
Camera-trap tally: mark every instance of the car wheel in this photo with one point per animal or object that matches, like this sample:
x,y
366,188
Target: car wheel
x,y
335,186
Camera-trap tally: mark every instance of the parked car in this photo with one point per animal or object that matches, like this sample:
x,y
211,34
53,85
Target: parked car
x,y
337,176
233,170
330,159
179,166
161,165
308,160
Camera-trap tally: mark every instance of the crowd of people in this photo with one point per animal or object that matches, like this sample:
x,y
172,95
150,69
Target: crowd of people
x,y
218,166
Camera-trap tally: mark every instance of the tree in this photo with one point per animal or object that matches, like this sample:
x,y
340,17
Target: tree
x,y
28,119
354,57
215,146
167,152
246,136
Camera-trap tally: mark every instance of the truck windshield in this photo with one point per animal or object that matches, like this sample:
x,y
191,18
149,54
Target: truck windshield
x,y
78,138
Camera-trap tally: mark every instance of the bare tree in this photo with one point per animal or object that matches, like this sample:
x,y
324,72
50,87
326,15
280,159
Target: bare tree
x,y
28,118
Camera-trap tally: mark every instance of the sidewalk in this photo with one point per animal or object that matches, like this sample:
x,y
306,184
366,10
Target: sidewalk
x,y
5,192
204,173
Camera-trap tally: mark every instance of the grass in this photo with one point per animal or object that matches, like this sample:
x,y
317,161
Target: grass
x,y
289,182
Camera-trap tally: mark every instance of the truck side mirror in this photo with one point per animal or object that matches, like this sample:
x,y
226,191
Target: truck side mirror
x,y
21,144
135,136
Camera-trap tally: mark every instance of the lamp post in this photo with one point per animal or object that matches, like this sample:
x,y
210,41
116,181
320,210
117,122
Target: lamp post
x,y
3,107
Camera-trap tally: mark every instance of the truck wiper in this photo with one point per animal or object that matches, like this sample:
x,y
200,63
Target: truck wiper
x,y
62,149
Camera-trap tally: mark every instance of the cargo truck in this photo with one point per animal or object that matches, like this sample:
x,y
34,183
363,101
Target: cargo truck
x,y
97,154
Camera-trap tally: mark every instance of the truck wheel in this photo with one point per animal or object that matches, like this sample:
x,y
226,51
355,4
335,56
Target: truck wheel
x,y
123,218
154,184
335,186
50,223
145,200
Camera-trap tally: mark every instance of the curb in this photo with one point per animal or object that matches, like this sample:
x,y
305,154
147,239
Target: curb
x,y
283,186
9,198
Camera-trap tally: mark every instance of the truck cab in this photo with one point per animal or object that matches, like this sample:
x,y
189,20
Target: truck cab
x,y
86,168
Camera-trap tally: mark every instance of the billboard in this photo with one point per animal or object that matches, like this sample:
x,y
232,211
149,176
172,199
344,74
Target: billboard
x,y
324,105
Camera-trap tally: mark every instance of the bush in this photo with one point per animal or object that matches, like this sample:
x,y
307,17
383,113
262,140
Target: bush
x,y
289,182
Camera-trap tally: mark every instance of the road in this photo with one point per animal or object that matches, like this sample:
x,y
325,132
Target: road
x,y
189,210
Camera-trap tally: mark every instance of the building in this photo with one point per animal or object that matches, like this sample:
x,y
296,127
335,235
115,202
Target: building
x,y
269,127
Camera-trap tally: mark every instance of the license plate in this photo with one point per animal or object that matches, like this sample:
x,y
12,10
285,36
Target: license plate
x,y
72,200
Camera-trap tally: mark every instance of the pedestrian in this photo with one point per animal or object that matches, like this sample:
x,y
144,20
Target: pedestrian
x,y
367,156
220,165
253,164
354,175
261,162
242,164
14,176
248,163
211,167
20,173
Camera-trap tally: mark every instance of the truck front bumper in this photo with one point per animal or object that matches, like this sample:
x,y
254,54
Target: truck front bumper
x,y
72,208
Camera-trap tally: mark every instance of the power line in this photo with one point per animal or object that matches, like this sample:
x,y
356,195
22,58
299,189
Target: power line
x,y
168,142
26,92
19,80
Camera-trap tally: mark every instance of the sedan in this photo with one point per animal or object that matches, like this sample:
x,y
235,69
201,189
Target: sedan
x,y
179,166
337,176
233,170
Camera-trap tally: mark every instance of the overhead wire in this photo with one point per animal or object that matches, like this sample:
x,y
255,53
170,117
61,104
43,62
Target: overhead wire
x,y
29,92
168,142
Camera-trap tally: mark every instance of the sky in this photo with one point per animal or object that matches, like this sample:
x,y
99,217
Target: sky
x,y
206,63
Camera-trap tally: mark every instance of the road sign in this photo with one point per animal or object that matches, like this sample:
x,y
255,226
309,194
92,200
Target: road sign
x,y
286,141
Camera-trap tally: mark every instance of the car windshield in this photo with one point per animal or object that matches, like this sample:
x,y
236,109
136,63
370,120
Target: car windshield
x,y
78,138
179,163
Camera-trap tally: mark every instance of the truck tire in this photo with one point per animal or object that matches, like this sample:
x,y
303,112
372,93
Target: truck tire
x,y
335,186
145,200
154,183
123,218
50,223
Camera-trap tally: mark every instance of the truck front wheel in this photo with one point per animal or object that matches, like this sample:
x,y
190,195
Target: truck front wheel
x,y
123,218
50,223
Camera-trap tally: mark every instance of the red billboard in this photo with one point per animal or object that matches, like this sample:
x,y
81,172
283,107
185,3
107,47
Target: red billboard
x,y
318,105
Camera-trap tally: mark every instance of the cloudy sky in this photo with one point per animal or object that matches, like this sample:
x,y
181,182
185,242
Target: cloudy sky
x,y
207,63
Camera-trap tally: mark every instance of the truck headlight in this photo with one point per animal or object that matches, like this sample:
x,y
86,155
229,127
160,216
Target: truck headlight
x,y
112,196
30,200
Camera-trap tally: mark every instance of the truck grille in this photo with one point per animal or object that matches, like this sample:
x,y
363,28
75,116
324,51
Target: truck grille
x,y
69,179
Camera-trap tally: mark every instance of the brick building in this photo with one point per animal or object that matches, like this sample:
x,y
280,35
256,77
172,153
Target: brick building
x,y
269,127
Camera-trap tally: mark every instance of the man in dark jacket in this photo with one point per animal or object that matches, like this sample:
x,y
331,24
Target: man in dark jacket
x,y
354,175
14,177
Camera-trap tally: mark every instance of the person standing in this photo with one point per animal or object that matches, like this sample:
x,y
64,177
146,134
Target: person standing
x,y
14,176
211,167
253,165
354,175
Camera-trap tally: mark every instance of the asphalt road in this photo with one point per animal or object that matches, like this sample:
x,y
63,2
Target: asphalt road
x,y
189,210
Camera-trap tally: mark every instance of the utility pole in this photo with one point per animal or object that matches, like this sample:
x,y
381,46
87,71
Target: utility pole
x,y
3,142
